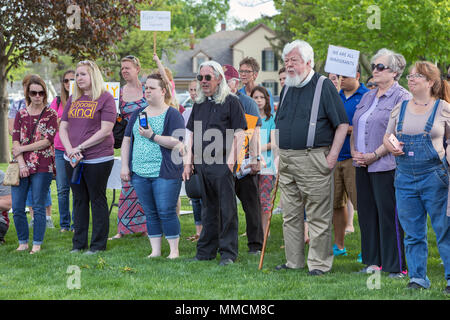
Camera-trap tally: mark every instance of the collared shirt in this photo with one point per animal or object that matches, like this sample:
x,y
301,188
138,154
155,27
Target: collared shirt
x,y
214,119
242,90
350,104
293,116
377,121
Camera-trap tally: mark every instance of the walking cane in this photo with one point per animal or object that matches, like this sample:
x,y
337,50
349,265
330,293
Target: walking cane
x,y
266,232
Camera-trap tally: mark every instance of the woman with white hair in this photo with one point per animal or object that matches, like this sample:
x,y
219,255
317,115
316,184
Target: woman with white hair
x,y
381,233
86,133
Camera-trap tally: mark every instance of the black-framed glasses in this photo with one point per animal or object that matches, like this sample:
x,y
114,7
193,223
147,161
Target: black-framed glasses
x,y
208,77
37,93
68,80
380,67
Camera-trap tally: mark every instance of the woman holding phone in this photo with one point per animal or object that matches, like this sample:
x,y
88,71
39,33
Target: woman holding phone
x,y
86,134
147,162
415,135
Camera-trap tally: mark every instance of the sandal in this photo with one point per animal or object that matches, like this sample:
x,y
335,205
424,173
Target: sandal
x,y
117,236
196,237
35,250
22,248
191,237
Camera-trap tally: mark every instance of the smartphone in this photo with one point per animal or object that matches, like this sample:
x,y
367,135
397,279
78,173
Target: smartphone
x,y
143,120
394,141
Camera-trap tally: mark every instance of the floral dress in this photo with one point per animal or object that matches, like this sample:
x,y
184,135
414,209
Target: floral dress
x,y
131,216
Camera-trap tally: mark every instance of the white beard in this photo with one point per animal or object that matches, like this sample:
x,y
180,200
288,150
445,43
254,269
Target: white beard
x,y
297,80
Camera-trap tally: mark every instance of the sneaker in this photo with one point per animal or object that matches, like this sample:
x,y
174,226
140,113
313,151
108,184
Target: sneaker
x,y
339,252
369,269
397,275
31,224
277,210
359,259
49,223
414,286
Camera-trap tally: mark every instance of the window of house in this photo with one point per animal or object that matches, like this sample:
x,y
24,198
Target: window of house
x,y
269,61
272,86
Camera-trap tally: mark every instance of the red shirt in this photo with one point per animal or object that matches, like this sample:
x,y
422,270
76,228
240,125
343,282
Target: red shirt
x,y
39,160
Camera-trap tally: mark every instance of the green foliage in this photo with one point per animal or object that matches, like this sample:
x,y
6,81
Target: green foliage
x,y
420,30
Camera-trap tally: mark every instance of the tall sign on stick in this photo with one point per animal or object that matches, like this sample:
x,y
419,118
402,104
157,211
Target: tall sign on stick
x,y
155,21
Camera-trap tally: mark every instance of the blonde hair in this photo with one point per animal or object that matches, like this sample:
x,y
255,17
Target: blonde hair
x,y
134,60
97,83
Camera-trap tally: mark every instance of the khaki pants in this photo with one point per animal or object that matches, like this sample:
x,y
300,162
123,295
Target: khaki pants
x,y
306,182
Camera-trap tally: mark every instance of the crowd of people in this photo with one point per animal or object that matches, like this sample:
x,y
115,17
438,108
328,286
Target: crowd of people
x,y
333,144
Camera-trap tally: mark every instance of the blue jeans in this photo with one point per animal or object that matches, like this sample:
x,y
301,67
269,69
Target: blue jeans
x,y
158,198
63,187
39,183
417,195
197,208
48,199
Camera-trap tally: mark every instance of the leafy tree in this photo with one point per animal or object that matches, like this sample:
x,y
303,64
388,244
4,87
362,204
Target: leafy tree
x,y
35,28
420,30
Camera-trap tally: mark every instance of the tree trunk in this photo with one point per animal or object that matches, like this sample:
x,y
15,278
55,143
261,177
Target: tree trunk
x,y
4,107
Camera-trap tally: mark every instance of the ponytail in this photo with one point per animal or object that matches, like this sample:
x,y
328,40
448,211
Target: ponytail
x,y
444,93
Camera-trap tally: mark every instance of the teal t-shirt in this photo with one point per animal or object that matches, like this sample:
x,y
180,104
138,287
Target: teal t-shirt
x,y
147,156
267,126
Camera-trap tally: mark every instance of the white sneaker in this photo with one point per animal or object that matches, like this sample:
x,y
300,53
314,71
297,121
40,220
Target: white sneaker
x,y
49,223
277,210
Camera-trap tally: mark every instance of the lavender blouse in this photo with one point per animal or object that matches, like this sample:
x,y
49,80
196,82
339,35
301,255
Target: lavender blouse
x,y
376,123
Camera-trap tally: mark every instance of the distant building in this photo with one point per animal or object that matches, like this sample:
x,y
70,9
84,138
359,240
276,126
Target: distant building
x,y
228,47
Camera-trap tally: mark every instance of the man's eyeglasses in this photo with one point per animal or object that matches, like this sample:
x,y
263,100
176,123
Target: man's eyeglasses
x,y
68,80
245,71
380,67
414,76
37,93
208,77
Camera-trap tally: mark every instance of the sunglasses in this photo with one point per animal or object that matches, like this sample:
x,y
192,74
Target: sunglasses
x,y
414,76
448,76
37,93
68,80
208,77
371,84
380,67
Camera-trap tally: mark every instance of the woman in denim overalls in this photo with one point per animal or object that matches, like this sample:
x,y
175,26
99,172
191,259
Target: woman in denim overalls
x,y
421,178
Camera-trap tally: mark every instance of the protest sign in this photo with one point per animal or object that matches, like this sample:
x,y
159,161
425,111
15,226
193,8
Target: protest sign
x,y
342,61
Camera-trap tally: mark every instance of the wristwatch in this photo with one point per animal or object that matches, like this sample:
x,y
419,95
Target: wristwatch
x,y
258,158
376,155
153,136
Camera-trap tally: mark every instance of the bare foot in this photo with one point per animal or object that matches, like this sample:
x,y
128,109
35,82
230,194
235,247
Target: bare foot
x,y
35,249
154,255
22,247
173,255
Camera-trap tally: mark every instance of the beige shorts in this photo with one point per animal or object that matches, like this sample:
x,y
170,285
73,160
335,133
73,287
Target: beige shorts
x,y
344,184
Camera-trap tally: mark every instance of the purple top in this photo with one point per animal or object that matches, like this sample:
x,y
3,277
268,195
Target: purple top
x,y
377,122
84,117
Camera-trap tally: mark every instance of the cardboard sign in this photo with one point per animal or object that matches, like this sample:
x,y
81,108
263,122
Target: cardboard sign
x,y
155,20
111,87
342,61
114,89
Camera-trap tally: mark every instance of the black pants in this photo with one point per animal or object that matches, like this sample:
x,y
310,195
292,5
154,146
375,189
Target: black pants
x,y
381,232
3,230
219,213
247,190
91,190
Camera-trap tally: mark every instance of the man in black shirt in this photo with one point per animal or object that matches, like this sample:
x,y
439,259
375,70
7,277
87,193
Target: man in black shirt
x,y
308,154
215,131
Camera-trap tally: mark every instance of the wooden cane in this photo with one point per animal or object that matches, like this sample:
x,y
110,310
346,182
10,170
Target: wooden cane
x,y
266,232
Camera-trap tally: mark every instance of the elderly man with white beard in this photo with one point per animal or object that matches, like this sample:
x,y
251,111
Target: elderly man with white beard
x,y
312,124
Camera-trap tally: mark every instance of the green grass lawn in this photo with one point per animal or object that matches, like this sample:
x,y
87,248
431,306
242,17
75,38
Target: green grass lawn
x,y
125,272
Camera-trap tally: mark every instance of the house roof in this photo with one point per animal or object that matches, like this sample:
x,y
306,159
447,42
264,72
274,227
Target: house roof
x,y
261,25
216,46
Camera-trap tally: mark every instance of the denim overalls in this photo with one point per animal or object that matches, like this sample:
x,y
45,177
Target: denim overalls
x,y
421,186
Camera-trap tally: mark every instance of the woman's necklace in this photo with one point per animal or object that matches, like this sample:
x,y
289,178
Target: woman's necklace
x,y
422,104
